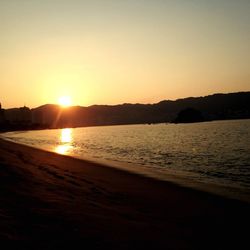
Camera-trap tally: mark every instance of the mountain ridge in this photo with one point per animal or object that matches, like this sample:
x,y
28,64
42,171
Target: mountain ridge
x,y
212,107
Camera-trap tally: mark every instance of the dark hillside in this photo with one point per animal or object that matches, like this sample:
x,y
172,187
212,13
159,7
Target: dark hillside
x,y
212,107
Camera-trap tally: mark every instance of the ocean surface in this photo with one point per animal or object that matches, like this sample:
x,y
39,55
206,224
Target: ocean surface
x,y
215,152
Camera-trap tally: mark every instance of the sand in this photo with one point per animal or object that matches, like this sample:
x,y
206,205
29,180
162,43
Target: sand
x,y
52,198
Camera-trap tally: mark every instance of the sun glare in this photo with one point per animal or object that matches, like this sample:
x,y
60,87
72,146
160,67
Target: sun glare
x,y
65,141
65,101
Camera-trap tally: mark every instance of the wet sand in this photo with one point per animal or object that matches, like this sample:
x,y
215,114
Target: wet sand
x,y
53,198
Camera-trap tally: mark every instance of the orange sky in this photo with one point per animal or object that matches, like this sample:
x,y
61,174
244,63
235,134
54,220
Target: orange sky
x,y
110,52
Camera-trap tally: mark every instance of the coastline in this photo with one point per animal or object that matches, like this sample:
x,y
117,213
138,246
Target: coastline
x,y
184,179
52,197
173,177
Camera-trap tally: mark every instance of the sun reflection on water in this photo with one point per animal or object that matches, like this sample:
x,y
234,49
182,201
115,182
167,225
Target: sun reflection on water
x,y
63,149
66,135
65,141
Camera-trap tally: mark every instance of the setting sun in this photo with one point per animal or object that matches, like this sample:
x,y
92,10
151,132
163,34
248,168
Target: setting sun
x,y
65,101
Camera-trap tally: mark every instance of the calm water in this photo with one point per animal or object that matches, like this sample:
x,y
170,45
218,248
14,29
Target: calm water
x,y
212,152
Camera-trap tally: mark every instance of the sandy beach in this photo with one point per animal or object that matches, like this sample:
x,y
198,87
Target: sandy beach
x,y
54,198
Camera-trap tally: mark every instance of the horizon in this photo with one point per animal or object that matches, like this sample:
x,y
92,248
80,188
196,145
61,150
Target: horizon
x,y
122,51
173,100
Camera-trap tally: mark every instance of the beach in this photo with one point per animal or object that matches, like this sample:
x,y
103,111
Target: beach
x,y
54,198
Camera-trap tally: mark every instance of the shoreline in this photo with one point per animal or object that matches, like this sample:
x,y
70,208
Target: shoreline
x,y
170,176
55,198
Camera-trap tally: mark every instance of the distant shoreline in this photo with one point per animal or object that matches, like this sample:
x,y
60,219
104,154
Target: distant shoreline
x,y
209,108
48,128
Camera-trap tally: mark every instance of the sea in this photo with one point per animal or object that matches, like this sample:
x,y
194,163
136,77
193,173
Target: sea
x,y
209,154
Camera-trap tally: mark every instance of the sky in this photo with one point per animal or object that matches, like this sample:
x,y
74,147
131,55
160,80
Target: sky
x,y
121,51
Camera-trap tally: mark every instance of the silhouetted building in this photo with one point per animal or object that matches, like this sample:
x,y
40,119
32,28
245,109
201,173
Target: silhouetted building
x,y
18,116
2,119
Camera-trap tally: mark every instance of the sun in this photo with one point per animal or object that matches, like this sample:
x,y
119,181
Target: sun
x,y
65,101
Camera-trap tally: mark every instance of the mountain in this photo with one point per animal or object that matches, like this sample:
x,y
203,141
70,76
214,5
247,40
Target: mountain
x,y
192,109
189,115
212,107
